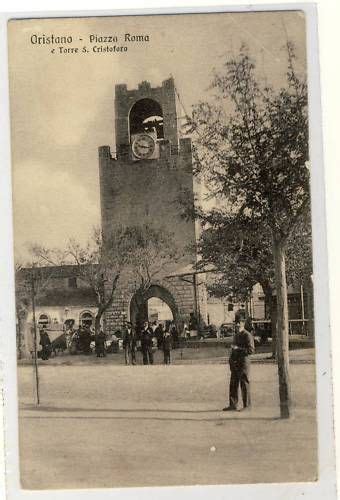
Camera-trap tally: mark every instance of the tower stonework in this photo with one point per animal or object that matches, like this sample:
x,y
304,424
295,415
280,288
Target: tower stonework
x,y
141,184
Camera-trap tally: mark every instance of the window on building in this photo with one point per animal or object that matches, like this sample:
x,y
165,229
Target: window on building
x,y
72,282
230,307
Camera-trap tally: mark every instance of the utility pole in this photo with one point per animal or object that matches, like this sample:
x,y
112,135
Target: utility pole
x,y
302,309
195,285
196,303
35,337
19,335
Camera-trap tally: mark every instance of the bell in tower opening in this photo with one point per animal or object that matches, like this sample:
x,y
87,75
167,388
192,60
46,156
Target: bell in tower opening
x,y
146,128
146,116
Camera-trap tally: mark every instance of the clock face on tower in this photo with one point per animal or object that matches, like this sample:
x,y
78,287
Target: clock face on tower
x,y
143,146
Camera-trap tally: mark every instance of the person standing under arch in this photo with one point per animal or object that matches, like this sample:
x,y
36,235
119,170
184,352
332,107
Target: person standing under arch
x,y
167,346
129,343
174,335
159,333
146,344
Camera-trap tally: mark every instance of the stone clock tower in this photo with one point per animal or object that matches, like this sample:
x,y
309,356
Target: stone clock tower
x,y
141,184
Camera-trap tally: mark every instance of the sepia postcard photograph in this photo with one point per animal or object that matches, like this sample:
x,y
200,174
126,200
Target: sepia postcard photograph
x,y
167,327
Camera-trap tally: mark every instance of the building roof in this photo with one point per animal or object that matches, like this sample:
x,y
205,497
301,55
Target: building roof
x,y
56,293
64,271
84,297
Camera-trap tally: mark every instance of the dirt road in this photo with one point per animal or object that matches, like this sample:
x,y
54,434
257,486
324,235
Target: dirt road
x,y
107,426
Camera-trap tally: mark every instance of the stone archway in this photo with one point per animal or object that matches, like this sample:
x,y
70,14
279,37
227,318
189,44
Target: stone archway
x,y
139,308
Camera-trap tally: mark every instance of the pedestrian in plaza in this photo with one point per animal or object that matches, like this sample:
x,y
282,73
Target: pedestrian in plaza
x,y
186,332
75,342
239,362
167,346
146,344
100,344
193,325
68,337
133,343
80,339
174,335
45,343
159,333
129,343
86,340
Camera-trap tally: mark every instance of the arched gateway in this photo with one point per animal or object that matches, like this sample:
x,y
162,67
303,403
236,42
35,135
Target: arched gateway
x,y
141,184
139,309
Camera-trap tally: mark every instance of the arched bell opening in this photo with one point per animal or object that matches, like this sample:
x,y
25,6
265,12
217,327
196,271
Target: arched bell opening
x,y
146,116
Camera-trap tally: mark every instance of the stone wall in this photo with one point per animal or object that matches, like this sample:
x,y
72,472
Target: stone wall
x,y
148,191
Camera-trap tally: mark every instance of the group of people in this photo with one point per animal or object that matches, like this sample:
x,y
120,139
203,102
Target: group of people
x,y
80,340
143,337
75,341
242,347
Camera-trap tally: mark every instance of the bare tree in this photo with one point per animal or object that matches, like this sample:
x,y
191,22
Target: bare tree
x,y
140,251
98,263
151,250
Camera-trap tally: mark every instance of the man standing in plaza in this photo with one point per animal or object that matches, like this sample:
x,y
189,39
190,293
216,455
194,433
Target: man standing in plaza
x,y
167,346
159,333
146,344
129,344
45,343
239,362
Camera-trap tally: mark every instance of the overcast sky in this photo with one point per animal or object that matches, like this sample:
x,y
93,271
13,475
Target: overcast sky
x,y
62,105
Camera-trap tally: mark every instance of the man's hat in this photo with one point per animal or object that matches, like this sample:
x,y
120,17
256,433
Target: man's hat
x,y
239,320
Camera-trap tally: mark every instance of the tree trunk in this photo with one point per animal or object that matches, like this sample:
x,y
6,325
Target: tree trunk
x,y
282,332
274,335
270,313
19,337
97,319
310,311
103,306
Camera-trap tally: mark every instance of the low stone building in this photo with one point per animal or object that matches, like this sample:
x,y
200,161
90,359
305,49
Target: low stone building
x,y
60,296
